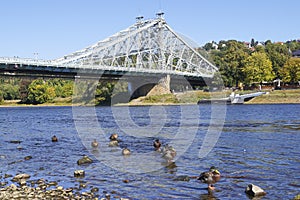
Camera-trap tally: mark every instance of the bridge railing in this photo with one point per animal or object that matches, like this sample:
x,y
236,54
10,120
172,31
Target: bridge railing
x,y
123,70
27,61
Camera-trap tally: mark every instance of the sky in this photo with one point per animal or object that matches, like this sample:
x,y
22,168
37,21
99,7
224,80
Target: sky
x,y
49,29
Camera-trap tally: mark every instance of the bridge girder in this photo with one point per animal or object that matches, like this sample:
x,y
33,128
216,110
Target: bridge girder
x,y
149,45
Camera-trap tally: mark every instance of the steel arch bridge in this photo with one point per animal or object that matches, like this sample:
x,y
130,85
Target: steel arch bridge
x,y
148,47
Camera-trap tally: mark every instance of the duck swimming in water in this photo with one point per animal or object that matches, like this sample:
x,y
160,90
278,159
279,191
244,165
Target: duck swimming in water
x,y
114,142
157,144
210,177
113,137
169,153
126,151
54,138
94,143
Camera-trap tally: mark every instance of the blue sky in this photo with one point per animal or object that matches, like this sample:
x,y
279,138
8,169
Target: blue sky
x,y
53,28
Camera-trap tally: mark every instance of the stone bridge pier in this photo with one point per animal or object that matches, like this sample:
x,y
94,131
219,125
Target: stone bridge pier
x,y
145,86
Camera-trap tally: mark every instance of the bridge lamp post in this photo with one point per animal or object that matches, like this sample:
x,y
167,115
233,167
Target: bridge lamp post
x,y
36,55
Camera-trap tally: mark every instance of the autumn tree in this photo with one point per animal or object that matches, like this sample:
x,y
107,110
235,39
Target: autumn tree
x,y
258,68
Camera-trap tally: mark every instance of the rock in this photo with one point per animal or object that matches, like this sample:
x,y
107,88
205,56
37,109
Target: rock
x,y
94,190
19,177
7,175
297,197
22,181
84,160
254,191
79,173
60,188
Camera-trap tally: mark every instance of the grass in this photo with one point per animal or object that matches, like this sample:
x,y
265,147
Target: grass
x,y
190,97
278,96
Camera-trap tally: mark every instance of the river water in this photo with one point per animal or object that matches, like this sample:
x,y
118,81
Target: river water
x,y
256,144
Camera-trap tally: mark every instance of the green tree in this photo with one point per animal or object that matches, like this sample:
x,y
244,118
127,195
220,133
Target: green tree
x,y
258,68
230,61
291,71
104,92
1,97
293,45
40,92
278,54
10,91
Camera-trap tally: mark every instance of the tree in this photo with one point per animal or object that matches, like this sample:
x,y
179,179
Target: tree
x,y
278,54
40,92
291,71
9,91
258,68
230,61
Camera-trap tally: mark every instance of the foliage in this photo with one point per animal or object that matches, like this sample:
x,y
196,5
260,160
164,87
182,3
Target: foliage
x,y
291,71
278,54
40,91
24,84
9,91
257,68
230,59
1,97
164,98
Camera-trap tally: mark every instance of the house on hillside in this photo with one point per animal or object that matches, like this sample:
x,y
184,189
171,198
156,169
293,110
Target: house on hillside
x,y
296,53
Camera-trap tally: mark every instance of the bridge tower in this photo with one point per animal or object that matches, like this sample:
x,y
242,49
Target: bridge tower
x,y
149,48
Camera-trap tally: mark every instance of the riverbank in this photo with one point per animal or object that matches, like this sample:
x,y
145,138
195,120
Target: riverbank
x,y
190,97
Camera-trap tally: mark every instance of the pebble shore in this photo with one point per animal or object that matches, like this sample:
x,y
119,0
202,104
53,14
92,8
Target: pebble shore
x,y
23,188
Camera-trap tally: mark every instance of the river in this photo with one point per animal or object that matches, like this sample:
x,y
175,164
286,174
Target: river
x,y
256,144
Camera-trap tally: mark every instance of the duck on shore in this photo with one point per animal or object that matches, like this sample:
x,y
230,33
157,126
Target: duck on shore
x,y
210,177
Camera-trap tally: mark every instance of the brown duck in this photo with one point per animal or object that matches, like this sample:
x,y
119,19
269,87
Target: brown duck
x,y
210,177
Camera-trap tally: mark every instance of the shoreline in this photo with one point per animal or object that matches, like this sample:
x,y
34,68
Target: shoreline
x,y
187,98
135,105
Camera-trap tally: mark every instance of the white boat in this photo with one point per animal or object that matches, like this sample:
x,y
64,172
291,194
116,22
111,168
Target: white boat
x,y
233,98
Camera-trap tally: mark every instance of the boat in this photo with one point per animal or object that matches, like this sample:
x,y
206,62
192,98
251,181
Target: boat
x,y
232,99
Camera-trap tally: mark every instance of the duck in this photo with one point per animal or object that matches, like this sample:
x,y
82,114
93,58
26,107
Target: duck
x,y
113,137
168,152
210,177
157,144
54,138
94,143
114,142
126,151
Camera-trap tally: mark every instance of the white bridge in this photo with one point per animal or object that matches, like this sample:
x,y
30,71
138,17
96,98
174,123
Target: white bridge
x,y
148,47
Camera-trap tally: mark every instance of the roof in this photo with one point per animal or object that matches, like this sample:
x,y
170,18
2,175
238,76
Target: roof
x,y
296,53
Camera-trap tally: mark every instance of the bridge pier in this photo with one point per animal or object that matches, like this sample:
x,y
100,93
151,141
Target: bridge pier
x,y
138,87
